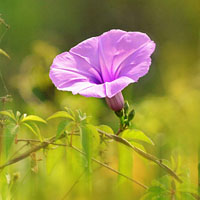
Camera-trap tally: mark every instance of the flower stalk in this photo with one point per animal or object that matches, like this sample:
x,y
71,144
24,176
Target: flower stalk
x,y
125,117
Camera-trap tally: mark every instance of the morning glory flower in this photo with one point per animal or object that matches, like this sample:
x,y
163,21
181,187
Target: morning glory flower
x,y
103,66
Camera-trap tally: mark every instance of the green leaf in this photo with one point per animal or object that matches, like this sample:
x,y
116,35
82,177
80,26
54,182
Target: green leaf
x,y
10,132
139,146
125,165
30,128
163,182
87,132
8,113
5,187
131,115
61,128
86,141
156,193
4,53
185,196
70,111
187,187
96,138
106,129
60,114
156,189
34,129
133,135
177,164
147,196
33,118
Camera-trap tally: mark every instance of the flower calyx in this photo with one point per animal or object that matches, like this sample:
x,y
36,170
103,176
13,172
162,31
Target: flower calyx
x,y
125,117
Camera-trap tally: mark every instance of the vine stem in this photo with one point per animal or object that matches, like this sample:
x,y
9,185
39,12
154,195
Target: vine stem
x,y
44,144
111,136
142,153
111,169
29,152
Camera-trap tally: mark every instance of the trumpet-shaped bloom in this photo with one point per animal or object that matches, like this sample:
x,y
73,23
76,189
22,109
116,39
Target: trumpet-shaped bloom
x,y
103,66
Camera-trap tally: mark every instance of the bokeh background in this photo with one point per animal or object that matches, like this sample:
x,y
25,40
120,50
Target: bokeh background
x,y
166,100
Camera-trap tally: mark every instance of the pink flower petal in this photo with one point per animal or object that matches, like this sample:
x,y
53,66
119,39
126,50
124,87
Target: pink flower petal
x,y
137,64
114,87
103,66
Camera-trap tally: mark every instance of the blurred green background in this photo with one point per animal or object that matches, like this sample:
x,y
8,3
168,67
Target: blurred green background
x,y
166,100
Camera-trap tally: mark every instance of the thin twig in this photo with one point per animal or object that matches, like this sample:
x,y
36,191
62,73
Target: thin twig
x,y
29,152
119,131
142,153
3,82
24,155
6,25
114,137
74,184
38,141
44,144
111,169
123,141
19,150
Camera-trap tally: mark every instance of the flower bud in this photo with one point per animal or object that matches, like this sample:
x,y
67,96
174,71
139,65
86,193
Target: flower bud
x,y
116,102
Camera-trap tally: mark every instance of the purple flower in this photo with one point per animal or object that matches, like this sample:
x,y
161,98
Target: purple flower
x,y
103,66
